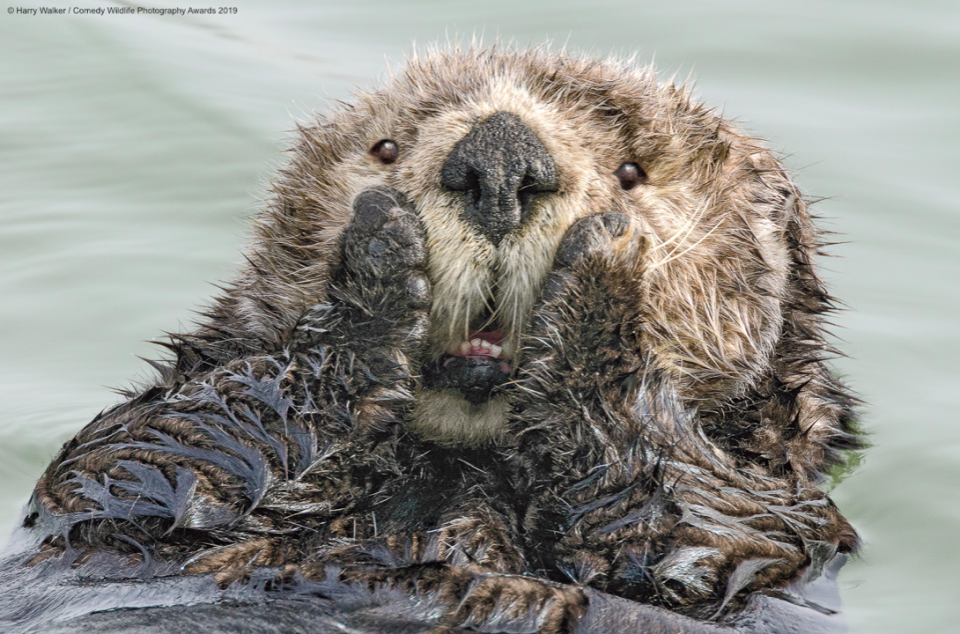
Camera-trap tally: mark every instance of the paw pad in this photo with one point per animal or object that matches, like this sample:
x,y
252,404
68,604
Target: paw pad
x,y
385,236
591,235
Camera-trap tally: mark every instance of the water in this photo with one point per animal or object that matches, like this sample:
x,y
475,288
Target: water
x,y
132,149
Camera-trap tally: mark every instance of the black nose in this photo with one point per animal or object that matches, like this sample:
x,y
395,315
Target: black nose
x,y
500,166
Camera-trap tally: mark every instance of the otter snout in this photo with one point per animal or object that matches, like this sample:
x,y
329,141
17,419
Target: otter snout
x,y
500,166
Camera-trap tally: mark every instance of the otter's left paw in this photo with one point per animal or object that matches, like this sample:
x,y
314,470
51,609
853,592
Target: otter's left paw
x,y
590,236
591,300
594,249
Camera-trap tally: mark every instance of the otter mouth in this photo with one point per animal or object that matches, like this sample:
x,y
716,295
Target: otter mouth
x,y
476,366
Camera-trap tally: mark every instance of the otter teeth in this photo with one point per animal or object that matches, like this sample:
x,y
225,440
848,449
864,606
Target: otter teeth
x,y
479,347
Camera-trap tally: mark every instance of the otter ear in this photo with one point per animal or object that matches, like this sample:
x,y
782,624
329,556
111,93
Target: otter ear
x,y
803,416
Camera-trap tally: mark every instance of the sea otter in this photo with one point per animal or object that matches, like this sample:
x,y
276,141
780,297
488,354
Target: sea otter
x,y
520,336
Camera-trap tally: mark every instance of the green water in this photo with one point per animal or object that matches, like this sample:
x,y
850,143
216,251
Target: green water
x,y
133,148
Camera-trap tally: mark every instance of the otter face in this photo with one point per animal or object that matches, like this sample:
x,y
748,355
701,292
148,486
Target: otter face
x,y
501,153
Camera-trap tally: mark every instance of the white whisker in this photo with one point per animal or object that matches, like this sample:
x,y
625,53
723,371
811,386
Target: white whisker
x,y
685,229
672,257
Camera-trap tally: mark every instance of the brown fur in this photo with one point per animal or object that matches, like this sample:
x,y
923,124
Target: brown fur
x,y
669,420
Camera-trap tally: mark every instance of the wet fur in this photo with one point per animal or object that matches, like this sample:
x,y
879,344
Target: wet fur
x,y
670,417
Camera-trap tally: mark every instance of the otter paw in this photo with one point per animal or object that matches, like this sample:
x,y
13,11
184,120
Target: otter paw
x,y
593,235
385,238
584,337
592,249
380,294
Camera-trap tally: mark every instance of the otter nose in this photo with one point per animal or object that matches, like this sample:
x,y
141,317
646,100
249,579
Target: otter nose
x,y
500,166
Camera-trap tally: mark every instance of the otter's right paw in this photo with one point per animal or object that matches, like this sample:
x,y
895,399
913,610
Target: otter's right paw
x,y
384,240
380,294
365,340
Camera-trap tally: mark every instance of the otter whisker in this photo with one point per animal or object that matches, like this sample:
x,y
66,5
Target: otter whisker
x,y
685,229
661,263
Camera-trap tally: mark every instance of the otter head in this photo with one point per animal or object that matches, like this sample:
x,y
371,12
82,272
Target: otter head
x,y
501,152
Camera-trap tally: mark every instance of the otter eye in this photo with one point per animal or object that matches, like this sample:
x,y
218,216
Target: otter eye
x,y
630,175
386,151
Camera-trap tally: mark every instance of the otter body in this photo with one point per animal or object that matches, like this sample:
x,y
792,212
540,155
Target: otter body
x,y
521,336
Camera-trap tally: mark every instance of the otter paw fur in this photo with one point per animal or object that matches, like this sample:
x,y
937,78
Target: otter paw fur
x,y
591,235
385,239
379,296
586,322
